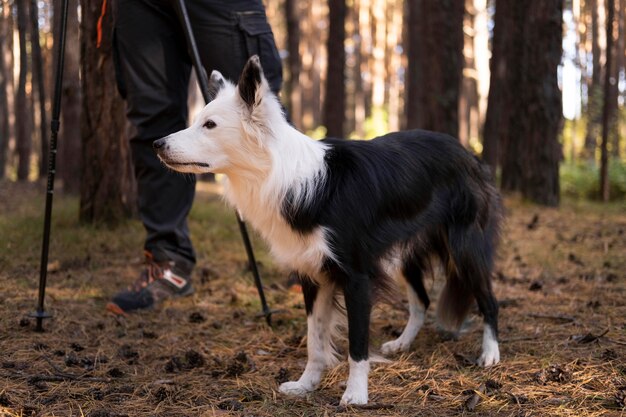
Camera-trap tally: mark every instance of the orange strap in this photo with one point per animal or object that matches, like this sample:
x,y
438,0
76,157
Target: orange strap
x,y
100,19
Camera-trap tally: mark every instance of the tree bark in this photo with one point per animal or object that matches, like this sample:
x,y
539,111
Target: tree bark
x,y
578,21
6,81
107,191
530,149
22,108
4,107
394,35
360,41
595,98
504,78
482,55
364,93
377,55
468,95
294,92
435,65
616,70
38,84
69,167
319,56
310,78
335,97
606,112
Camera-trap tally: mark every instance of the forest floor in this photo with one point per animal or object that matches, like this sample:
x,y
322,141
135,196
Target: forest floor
x,y
560,281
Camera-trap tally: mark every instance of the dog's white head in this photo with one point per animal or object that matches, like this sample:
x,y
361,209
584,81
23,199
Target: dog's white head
x,y
232,132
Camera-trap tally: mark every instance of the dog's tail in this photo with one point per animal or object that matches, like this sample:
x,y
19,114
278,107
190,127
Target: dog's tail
x,y
471,240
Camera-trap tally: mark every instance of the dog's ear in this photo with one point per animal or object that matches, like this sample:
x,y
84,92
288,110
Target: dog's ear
x,y
216,83
251,81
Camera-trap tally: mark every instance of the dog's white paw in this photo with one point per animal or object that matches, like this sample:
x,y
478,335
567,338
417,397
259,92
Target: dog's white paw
x,y
491,351
394,346
295,388
489,357
354,397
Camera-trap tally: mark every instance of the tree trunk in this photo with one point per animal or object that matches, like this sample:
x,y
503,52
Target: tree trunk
x,y
69,166
435,65
394,35
543,98
482,55
412,89
22,111
294,92
504,78
310,79
107,192
468,96
606,111
530,152
351,54
578,21
335,97
319,59
617,69
364,97
38,84
377,55
359,83
595,99
6,81
4,106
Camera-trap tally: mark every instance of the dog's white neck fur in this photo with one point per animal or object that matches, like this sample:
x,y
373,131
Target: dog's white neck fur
x,y
244,135
296,165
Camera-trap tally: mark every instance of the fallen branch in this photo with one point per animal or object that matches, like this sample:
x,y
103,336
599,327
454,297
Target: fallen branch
x,y
588,338
33,379
519,339
560,317
60,375
617,342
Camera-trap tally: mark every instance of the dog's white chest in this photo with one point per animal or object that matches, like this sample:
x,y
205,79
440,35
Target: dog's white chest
x,y
304,253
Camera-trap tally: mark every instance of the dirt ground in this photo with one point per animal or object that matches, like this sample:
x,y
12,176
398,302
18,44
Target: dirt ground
x,y
560,281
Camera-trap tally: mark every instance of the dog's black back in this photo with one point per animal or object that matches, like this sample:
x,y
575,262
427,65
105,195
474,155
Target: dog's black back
x,y
417,190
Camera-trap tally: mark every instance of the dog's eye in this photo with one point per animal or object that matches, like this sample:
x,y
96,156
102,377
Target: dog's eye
x,y
210,124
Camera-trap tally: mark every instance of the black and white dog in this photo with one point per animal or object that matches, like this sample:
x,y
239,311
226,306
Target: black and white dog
x,y
350,216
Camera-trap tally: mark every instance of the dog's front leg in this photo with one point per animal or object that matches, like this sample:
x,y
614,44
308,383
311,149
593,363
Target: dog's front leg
x,y
319,301
358,306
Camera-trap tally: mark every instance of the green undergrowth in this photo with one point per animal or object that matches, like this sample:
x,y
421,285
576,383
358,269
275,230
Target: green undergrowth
x,y
581,180
214,229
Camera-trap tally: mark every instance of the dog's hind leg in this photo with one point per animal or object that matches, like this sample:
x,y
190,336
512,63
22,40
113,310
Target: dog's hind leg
x,y
418,304
480,269
320,307
470,275
488,306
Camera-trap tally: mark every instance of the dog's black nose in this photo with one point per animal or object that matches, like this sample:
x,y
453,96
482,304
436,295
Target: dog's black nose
x,y
158,143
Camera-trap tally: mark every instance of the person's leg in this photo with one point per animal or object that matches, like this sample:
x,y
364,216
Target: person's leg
x,y
153,74
155,71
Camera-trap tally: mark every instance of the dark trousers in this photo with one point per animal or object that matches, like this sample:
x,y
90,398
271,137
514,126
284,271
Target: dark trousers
x,y
153,68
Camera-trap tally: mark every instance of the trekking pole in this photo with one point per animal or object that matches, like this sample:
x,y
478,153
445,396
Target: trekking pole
x,y
203,81
41,313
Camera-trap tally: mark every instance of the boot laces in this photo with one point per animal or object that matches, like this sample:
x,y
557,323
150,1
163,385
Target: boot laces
x,y
153,271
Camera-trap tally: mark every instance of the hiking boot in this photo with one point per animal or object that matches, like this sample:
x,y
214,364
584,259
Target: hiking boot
x,y
158,281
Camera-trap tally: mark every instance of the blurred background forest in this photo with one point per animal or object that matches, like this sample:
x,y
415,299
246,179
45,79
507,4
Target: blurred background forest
x,y
536,87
